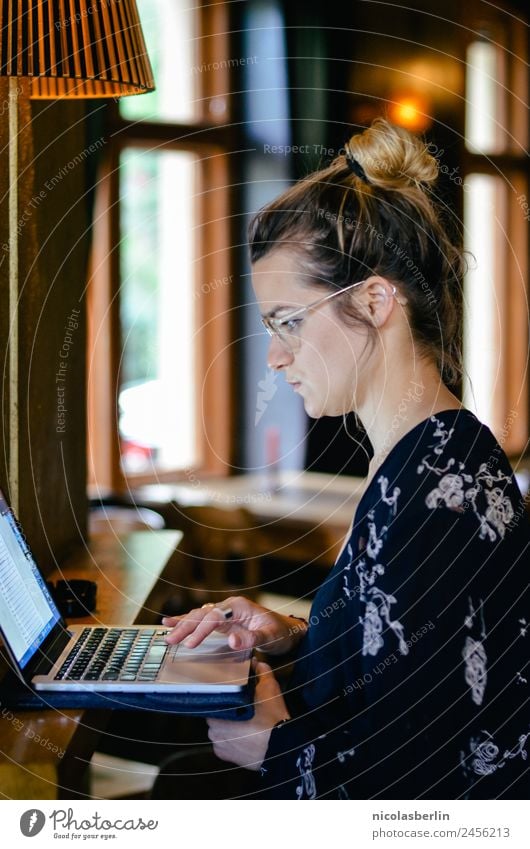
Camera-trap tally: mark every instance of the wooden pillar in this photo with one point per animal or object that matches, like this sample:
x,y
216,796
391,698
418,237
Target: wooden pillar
x,y
44,238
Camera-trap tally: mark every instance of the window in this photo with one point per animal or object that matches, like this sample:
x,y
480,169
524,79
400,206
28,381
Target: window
x,y
496,215
486,101
157,315
170,29
159,381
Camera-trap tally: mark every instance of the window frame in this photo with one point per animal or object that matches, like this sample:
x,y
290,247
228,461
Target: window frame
x,y
511,404
211,138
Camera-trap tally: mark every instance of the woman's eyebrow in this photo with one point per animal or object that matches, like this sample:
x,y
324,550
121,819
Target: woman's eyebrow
x,y
272,313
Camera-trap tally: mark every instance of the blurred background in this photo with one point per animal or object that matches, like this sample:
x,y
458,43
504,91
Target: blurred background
x,y
139,210
135,388
249,97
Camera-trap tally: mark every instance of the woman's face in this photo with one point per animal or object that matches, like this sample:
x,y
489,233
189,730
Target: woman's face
x,y
325,365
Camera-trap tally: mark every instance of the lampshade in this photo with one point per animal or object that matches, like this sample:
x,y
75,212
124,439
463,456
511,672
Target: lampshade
x,y
75,48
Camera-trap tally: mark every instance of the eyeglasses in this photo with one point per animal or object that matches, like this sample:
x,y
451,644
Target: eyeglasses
x,y
287,327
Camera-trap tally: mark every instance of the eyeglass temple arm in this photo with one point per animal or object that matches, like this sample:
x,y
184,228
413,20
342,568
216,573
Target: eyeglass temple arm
x,y
320,301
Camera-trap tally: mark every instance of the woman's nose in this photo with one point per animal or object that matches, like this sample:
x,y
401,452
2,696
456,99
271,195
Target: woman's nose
x,y
279,356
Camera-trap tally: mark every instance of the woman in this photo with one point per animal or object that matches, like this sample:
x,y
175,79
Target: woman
x,y
412,679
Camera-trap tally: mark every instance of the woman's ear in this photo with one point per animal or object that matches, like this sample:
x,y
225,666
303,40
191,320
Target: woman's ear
x,y
377,300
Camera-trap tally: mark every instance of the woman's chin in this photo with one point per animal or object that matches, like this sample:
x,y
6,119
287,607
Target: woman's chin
x,y
314,411
318,411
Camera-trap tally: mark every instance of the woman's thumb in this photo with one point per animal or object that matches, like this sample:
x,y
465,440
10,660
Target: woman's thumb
x,y
260,667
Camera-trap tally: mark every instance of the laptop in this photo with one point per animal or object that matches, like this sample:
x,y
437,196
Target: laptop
x,y
50,655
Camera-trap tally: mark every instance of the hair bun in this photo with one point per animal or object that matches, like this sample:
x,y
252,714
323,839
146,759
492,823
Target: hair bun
x,y
392,157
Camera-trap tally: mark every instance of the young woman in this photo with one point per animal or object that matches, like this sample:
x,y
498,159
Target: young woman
x,y
416,684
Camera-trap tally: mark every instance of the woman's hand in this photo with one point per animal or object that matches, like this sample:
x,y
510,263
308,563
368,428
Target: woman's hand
x,y
246,743
250,626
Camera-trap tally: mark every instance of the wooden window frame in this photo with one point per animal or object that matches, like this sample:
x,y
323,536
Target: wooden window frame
x,y
512,271
210,138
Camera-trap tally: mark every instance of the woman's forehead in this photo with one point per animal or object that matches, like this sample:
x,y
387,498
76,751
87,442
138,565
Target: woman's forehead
x,y
279,276
279,294
279,260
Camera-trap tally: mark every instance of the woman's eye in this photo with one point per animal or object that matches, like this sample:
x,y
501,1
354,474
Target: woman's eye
x,y
290,325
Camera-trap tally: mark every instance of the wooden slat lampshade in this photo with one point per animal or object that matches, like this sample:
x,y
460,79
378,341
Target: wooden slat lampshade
x,y
75,48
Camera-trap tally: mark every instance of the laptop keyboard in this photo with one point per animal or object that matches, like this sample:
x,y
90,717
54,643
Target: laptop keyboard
x,y
115,654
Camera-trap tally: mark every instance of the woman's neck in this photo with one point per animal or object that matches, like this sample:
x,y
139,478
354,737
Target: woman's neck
x,y
404,404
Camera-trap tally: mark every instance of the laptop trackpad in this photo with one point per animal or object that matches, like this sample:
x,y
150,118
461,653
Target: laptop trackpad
x,y
212,662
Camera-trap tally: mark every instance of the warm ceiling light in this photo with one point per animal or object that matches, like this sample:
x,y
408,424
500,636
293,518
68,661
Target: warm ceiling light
x,y
410,112
75,48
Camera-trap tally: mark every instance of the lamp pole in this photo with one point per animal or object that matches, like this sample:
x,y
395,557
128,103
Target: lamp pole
x,y
16,85
42,63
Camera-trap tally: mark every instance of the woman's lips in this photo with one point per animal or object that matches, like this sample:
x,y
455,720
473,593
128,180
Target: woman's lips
x,y
295,384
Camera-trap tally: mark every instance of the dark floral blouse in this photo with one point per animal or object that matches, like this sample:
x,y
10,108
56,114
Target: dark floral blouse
x,y
413,679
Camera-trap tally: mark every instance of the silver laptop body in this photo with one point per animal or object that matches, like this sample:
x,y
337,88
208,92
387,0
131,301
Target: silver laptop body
x,y
49,655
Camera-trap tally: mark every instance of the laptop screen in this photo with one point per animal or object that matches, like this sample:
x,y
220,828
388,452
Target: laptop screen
x,y
27,611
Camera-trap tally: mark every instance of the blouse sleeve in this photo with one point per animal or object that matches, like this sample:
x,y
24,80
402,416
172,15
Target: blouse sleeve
x,y
435,704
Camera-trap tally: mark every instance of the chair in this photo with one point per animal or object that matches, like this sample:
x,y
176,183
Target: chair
x,y
223,546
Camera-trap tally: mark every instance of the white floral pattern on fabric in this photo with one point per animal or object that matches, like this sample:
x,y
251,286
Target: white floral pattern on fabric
x,y
307,788
483,757
468,621
347,753
373,627
375,542
450,491
445,435
500,511
347,574
474,655
495,515
476,675
377,612
391,500
523,631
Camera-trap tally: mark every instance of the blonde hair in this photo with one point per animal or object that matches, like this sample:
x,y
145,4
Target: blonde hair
x,y
371,211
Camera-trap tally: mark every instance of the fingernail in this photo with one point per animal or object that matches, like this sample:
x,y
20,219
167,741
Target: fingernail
x,y
236,642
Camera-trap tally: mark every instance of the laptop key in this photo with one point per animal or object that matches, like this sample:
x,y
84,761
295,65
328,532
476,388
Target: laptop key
x,y
112,654
156,653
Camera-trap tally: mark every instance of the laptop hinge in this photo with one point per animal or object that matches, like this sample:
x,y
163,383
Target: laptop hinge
x,y
44,660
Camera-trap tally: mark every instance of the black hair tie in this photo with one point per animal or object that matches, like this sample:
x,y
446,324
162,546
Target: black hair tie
x,y
355,166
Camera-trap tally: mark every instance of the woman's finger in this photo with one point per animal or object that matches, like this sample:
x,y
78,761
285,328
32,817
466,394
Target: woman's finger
x,y
267,686
186,625
170,621
261,668
213,620
241,638
261,671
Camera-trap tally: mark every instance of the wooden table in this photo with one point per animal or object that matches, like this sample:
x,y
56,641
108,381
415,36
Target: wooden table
x,y
303,516
135,573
